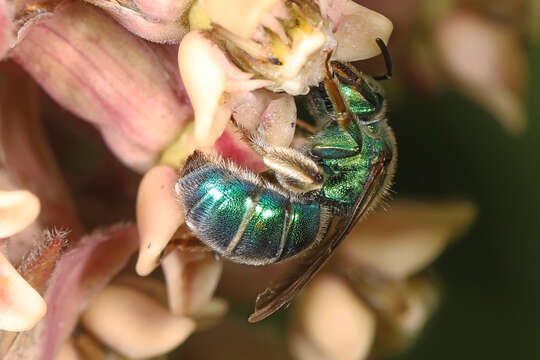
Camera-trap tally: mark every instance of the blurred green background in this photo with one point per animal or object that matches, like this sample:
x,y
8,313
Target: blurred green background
x,y
449,146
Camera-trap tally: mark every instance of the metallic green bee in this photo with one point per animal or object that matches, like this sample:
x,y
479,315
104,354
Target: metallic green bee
x,y
309,199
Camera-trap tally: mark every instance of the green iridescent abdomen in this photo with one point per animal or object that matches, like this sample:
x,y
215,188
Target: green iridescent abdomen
x,y
240,218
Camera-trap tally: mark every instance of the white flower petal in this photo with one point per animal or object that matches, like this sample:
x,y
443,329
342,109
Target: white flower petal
x,y
207,75
134,324
335,320
68,351
408,237
357,29
487,59
241,17
158,215
18,209
21,307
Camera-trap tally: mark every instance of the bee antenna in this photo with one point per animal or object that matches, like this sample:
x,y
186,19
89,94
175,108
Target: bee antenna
x,y
387,60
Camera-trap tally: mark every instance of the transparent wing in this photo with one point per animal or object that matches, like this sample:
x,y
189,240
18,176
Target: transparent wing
x,y
273,299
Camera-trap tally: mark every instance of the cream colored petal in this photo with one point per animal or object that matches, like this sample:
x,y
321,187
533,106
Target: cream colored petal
x,y
158,215
153,287
207,75
302,348
408,237
487,59
68,351
399,326
241,17
21,307
142,25
191,279
334,320
211,313
91,348
18,209
279,120
357,27
272,115
164,10
422,298
134,324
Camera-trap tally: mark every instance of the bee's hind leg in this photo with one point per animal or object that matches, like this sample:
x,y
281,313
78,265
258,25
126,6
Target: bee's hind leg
x,y
293,170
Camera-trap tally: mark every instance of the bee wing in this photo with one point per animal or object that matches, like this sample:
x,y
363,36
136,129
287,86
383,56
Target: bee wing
x,y
273,299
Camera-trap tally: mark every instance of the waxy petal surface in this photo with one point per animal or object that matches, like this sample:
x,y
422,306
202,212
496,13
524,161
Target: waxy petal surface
x,y
191,279
408,237
486,58
124,90
28,157
17,210
164,10
78,276
137,328
356,28
334,321
162,30
241,17
202,63
21,307
158,216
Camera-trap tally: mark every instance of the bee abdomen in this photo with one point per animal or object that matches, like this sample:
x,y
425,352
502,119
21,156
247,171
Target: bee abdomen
x,y
233,213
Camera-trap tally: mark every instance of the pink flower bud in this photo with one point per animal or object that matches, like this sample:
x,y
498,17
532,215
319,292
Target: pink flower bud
x,y
157,21
95,68
487,60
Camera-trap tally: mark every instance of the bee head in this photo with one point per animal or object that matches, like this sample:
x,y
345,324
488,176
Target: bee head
x,y
362,95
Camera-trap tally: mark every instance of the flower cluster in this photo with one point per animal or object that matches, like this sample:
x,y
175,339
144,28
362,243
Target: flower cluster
x,y
158,79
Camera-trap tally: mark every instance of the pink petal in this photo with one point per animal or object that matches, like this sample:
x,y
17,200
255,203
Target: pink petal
x,y
38,265
28,157
191,279
97,69
165,30
5,28
487,59
78,276
164,10
356,28
21,307
232,146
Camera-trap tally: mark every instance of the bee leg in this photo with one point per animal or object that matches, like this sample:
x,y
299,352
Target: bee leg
x,y
305,128
293,170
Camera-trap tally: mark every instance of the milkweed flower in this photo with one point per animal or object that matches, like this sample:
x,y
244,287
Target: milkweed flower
x,y
380,299
157,79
